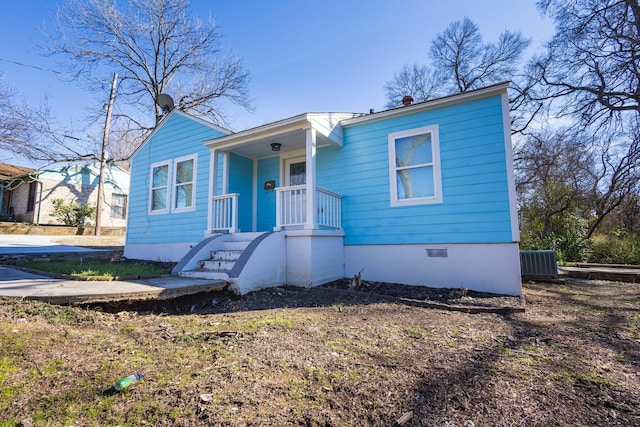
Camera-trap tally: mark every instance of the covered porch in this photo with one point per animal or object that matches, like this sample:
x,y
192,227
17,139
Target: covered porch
x,y
273,217
261,178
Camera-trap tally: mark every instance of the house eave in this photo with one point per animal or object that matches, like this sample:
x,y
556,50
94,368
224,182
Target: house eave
x,y
289,133
496,89
260,132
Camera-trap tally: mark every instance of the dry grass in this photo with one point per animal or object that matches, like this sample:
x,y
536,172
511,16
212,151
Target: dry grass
x,y
297,357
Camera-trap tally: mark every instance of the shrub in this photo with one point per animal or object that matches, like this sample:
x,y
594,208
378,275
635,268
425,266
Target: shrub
x,y
73,214
566,236
616,248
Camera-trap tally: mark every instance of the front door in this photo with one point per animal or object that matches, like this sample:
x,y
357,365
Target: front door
x,y
295,171
294,201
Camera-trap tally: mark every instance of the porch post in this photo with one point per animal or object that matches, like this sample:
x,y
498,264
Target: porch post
x,y
213,185
312,201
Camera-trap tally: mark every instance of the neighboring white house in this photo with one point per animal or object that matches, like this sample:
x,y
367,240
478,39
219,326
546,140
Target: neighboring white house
x,y
27,194
422,195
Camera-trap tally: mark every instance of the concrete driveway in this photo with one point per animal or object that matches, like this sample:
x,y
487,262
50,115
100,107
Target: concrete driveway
x,y
20,284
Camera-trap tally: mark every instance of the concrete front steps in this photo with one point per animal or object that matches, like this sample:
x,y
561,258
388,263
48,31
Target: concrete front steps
x,y
252,261
223,259
246,261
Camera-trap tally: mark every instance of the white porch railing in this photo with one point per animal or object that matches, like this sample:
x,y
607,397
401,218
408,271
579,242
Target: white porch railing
x,y
291,207
225,213
329,208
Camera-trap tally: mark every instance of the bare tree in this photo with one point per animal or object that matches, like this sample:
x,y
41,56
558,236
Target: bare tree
x,y
15,120
589,76
591,67
418,81
555,159
616,178
625,220
156,46
552,181
48,143
31,133
460,61
565,171
467,63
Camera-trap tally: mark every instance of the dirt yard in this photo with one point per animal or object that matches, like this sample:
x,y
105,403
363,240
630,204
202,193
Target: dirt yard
x,y
289,357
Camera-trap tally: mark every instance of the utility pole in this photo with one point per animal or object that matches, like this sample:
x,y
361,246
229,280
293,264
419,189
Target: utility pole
x,y
103,154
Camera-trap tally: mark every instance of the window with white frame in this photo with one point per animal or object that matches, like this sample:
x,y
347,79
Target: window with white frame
x,y
173,185
118,206
159,195
184,183
414,166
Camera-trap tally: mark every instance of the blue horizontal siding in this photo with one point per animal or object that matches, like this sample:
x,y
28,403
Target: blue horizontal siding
x,y
268,170
433,237
177,137
241,182
475,207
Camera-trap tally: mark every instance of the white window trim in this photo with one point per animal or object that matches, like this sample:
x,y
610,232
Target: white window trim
x,y
174,187
124,207
437,180
151,188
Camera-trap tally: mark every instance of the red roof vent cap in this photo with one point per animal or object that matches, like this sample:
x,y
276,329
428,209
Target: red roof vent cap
x,y
407,100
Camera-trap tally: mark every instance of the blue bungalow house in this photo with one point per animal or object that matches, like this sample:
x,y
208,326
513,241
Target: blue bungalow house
x,y
422,195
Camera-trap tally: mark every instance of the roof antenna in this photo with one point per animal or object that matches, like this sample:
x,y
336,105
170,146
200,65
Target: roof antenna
x,y
165,102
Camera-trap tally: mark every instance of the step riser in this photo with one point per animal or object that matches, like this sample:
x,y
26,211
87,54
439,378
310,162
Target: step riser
x,y
222,260
245,237
209,275
225,255
217,265
235,246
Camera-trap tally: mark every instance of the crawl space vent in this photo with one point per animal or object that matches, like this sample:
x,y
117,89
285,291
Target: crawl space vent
x,y
437,253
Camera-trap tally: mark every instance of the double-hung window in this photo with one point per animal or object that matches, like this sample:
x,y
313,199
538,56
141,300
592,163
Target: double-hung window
x,y
414,166
184,184
159,197
173,186
118,206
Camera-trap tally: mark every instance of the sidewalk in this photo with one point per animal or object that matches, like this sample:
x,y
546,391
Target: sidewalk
x,y
16,283
602,272
17,244
19,284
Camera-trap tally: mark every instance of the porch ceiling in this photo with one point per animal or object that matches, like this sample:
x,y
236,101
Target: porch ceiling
x,y
290,133
260,147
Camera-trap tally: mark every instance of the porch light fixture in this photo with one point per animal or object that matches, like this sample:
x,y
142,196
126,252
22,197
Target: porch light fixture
x,y
275,146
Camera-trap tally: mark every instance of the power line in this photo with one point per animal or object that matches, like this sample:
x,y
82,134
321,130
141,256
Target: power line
x,y
49,70
31,66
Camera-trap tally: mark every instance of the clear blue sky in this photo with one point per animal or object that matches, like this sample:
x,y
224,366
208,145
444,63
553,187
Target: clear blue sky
x,y
303,56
